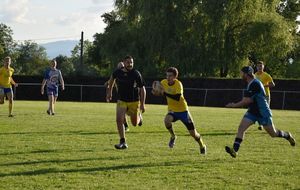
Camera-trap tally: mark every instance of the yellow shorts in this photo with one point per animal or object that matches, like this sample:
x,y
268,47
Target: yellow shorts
x,y
132,107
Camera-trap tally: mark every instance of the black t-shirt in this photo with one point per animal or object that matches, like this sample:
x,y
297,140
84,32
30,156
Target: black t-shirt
x,y
128,84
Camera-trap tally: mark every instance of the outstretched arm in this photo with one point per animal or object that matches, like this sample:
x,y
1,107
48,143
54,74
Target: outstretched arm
x,y
244,102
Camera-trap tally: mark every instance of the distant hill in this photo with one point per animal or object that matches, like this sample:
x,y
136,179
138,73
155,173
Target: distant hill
x,y
65,47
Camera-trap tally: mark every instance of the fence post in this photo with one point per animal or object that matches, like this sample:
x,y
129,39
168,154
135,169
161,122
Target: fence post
x,y
204,102
283,100
243,93
80,93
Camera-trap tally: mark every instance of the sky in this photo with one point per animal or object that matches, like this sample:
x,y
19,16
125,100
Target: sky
x,y
53,20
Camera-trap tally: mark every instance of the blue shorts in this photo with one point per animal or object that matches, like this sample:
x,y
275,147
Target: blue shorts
x,y
52,92
7,90
185,117
264,121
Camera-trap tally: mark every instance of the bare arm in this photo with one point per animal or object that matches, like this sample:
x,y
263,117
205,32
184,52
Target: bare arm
x,y
244,102
13,82
62,82
270,84
143,98
109,88
43,86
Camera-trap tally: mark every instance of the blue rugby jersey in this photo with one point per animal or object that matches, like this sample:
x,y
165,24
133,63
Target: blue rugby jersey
x,y
259,107
53,77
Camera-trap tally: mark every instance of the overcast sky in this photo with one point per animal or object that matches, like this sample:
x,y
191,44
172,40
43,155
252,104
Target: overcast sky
x,y
53,20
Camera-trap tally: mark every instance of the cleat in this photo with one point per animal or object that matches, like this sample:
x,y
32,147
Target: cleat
x,y
259,128
203,150
172,141
53,114
11,115
48,112
121,146
230,151
291,140
141,120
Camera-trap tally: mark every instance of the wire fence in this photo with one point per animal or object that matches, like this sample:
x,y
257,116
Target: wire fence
x,y
194,96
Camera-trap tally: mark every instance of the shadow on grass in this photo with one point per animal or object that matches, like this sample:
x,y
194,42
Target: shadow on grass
x,y
61,133
58,133
59,161
219,134
45,151
212,134
95,169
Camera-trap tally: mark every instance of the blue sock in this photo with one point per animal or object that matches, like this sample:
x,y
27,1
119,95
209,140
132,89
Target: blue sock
x,y
236,144
283,134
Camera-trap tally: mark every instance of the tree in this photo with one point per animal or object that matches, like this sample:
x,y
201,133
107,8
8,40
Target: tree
x,y
7,44
87,68
31,60
205,38
65,65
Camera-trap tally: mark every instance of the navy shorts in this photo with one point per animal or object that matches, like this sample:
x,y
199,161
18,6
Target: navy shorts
x,y
7,90
185,117
4,91
264,121
52,92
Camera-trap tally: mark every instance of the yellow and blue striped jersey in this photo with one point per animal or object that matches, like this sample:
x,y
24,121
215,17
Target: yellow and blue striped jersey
x,y
176,88
5,77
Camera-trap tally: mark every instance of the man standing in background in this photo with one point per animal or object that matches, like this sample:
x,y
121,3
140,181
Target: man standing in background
x,y
51,78
266,80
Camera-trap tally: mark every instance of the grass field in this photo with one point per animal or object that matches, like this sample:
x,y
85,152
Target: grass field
x,y
74,150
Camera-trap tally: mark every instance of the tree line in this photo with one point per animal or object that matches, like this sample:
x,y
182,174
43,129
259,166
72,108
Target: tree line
x,y
202,38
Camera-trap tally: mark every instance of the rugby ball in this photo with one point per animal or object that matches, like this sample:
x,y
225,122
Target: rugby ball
x,y
157,89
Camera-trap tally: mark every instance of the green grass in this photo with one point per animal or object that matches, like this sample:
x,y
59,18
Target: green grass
x,y
74,150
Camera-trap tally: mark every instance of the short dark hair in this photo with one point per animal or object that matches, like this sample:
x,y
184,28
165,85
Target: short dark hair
x,y
248,70
173,70
260,62
128,57
7,57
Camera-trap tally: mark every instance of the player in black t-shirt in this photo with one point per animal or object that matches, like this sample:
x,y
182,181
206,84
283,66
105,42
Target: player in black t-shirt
x,y
119,66
131,96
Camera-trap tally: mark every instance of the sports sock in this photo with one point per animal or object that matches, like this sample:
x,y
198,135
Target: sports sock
x,y
200,141
122,140
283,134
236,144
125,124
170,129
